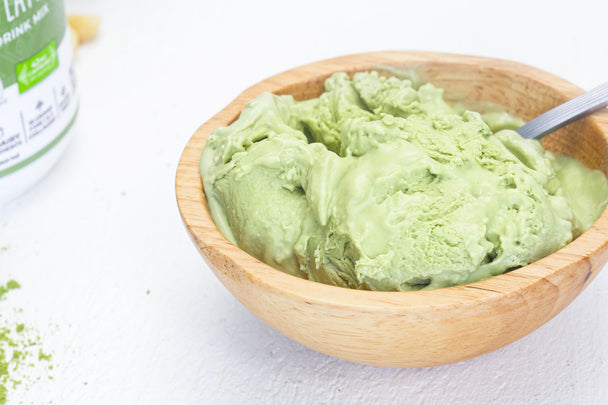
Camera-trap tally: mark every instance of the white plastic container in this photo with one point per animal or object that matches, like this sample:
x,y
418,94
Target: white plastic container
x,y
38,102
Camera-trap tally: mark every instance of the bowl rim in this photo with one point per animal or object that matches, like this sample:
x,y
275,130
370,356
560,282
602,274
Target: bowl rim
x,y
217,249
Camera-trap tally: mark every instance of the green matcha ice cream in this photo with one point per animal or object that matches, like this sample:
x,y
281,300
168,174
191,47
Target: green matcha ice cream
x,y
379,185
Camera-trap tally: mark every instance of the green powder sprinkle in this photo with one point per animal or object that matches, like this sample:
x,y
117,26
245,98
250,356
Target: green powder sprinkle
x,y
43,356
18,350
12,284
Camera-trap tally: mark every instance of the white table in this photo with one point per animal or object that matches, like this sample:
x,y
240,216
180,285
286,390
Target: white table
x,y
102,230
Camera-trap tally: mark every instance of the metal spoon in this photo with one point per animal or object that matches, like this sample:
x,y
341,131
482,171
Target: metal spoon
x,y
565,113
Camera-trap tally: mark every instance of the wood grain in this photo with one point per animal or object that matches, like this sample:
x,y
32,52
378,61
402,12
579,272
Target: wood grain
x,y
424,328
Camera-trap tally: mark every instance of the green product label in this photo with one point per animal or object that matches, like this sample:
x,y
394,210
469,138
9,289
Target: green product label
x,y
36,68
27,30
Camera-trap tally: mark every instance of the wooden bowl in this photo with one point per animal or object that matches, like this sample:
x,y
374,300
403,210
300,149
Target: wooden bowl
x,y
423,328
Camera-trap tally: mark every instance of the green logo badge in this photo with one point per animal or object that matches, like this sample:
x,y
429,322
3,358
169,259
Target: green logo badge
x,y
31,71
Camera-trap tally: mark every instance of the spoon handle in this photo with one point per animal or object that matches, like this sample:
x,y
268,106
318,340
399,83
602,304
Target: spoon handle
x,y
565,113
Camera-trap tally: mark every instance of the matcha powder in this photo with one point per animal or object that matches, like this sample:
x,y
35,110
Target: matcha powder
x,y
20,349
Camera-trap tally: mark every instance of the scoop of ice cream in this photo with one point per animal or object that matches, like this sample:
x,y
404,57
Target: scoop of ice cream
x,y
378,185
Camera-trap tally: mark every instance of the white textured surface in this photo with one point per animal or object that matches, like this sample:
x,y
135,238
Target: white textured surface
x,y
103,228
